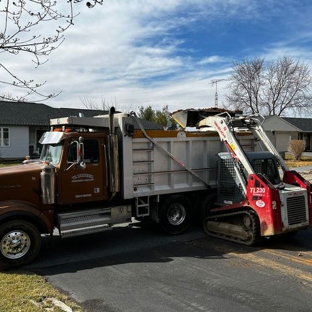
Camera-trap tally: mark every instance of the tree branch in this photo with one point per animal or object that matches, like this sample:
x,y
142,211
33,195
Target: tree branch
x,y
22,33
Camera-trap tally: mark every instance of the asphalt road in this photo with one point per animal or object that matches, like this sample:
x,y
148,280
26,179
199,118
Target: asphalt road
x,y
140,269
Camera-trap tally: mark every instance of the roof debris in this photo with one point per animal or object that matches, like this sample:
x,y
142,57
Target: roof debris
x,y
190,117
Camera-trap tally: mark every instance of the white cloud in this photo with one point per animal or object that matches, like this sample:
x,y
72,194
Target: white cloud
x,y
131,52
213,59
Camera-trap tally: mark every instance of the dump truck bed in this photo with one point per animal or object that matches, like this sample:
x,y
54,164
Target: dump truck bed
x,y
148,170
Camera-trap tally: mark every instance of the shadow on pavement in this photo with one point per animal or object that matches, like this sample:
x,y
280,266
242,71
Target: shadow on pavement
x,y
145,245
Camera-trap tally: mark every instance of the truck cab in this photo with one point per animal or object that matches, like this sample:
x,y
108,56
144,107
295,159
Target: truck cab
x,y
80,162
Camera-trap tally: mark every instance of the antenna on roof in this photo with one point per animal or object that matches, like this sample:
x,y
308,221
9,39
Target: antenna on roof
x,y
215,81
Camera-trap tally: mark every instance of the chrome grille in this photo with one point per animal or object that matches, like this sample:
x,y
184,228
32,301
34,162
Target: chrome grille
x,y
296,211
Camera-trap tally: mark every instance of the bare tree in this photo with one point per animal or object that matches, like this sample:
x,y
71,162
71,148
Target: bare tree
x,y
106,105
89,104
21,34
273,88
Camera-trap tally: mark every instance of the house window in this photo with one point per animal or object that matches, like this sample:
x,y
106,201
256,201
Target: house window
x,y
4,137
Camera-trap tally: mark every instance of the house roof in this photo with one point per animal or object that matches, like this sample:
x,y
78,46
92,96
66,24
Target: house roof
x,y
277,123
304,124
37,114
298,124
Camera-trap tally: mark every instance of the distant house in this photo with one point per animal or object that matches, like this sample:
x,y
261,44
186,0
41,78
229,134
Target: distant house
x,y
22,125
304,125
281,130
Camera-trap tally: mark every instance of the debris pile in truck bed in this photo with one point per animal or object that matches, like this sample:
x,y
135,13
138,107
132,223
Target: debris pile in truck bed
x,y
190,117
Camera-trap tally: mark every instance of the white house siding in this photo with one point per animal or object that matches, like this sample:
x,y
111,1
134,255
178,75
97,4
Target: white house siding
x,y
19,143
32,136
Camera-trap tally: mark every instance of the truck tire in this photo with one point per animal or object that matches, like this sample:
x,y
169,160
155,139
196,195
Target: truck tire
x,y
176,214
205,205
20,243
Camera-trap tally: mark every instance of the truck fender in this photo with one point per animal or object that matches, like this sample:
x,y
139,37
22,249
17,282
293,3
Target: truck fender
x,y
19,210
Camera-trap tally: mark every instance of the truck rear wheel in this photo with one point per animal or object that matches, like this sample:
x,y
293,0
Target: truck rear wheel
x,y
206,203
20,243
176,214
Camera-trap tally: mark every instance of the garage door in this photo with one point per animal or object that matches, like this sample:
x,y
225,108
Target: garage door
x,y
282,140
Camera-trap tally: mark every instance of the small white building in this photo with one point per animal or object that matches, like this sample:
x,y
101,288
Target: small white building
x,y
22,125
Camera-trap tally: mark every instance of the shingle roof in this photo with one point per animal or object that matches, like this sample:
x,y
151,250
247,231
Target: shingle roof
x,y
304,124
37,114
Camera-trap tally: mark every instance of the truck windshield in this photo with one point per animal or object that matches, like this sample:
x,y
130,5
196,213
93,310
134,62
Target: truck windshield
x,y
51,153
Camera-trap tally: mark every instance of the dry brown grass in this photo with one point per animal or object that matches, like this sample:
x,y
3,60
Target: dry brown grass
x,y
304,161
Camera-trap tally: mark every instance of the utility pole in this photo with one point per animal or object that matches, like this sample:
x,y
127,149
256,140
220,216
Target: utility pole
x,y
215,81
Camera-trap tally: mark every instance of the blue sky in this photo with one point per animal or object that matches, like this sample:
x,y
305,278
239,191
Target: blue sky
x,y
146,52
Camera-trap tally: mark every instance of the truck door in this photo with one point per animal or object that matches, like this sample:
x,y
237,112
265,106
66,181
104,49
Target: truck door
x,y
78,184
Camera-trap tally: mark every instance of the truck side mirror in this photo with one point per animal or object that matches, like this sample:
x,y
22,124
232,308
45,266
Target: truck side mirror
x,y
75,154
80,153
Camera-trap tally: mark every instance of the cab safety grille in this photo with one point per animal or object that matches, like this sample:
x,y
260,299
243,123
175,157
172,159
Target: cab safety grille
x,y
296,211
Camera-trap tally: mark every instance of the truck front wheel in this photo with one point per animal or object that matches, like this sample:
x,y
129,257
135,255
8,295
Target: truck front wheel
x,y
176,214
20,242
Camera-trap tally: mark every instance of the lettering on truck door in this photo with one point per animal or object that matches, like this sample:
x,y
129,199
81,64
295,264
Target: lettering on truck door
x,y
78,185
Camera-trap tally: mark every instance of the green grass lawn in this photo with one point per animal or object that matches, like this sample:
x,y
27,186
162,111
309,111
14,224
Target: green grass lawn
x,y
26,292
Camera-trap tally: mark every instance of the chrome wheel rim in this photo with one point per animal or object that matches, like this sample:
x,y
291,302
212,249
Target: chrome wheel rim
x,y
176,214
15,244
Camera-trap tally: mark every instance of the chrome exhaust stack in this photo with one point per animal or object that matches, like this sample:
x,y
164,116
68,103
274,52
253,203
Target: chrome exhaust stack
x,y
47,178
113,155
